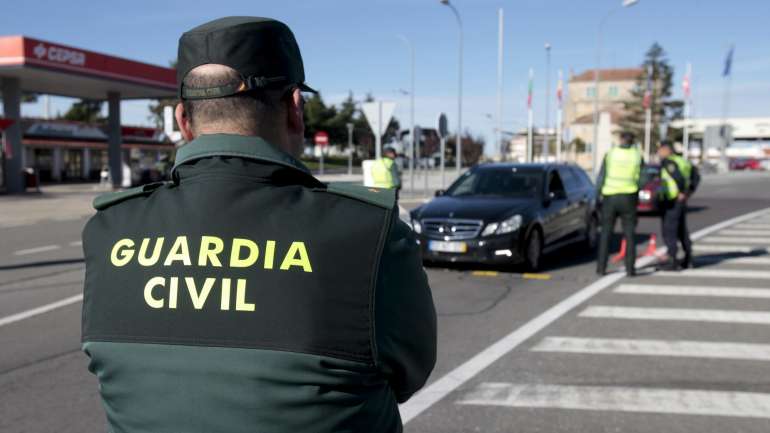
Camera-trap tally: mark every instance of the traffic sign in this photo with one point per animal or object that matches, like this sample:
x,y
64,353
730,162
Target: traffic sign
x,y
443,126
321,138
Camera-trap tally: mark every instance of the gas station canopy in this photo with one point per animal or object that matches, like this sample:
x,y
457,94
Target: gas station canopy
x,y
54,69
36,66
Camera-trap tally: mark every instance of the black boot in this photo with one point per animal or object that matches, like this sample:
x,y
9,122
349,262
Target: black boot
x,y
687,262
669,265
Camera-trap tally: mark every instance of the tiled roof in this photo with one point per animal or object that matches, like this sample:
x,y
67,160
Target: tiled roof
x,y
609,75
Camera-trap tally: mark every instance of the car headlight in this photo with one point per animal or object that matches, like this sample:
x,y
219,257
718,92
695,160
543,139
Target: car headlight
x,y
644,195
507,226
416,226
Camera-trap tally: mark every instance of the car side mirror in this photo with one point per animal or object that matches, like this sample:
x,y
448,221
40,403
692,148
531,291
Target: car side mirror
x,y
440,192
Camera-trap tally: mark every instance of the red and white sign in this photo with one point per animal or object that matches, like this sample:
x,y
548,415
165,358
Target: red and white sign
x,y
321,138
59,54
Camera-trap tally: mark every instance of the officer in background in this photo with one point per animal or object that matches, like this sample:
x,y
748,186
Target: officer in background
x,y
681,179
245,295
618,185
385,172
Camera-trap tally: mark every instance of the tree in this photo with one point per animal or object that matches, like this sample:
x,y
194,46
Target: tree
x,y
85,110
472,148
663,108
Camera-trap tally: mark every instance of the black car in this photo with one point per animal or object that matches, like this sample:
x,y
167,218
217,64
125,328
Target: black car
x,y
508,214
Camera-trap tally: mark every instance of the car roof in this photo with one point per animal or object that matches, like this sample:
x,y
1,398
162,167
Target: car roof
x,y
533,166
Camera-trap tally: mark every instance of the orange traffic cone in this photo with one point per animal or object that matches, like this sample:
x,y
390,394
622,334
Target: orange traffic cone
x,y
652,245
621,254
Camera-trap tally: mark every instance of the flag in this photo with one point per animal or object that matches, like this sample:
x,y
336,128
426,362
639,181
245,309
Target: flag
x,y
648,91
559,89
529,90
728,62
686,85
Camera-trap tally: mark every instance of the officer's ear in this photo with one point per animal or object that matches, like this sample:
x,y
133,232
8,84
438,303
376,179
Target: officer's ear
x,y
185,126
295,112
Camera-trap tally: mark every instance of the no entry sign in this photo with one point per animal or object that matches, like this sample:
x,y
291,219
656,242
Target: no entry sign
x,y
321,138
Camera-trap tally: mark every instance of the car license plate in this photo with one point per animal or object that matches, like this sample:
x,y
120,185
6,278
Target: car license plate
x,y
448,247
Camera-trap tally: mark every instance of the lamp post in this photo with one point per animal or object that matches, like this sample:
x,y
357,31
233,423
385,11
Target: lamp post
x,y
458,140
594,145
350,148
546,140
411,112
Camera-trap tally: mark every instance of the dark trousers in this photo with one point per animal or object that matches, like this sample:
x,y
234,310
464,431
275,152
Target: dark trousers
x,y
675,228
614,206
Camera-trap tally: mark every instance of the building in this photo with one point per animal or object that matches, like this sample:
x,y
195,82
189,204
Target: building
x,y
615,87
749,136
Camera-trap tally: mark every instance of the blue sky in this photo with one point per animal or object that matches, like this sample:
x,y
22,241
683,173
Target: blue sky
x,y
352,45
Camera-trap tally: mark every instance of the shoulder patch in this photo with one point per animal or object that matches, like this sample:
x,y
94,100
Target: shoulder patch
x,y
106,200
382,197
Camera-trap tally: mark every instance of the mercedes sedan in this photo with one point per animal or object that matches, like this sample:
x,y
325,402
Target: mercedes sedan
x,y
507,214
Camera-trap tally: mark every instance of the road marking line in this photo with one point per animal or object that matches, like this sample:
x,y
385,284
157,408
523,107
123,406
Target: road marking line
x,y
726,292
484,273
446,384
675,348
744,232
40,310
622,399
36,250
753,226
737,240
76,243
730,249
529,276
718,273
761,260
677,314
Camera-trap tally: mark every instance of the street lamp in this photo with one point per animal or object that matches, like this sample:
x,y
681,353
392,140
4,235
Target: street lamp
x,y
411,113
458,140
594,145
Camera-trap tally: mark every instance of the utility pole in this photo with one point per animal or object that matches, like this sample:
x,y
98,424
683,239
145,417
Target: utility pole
x,y
546,139
499,131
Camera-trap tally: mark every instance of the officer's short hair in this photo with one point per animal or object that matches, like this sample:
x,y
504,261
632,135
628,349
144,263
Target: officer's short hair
x,y
627,137
390,150
243,113
666,143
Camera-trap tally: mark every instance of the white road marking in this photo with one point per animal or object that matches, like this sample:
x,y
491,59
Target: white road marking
x,y
744,232
622,399
749,260
452,380
726,292
36,250
40,310
719,273
729,249
76,243
677,314
753,226
676,348
738,240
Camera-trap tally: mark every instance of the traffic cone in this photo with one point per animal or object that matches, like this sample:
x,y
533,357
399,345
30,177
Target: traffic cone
x,y
652,246
621,254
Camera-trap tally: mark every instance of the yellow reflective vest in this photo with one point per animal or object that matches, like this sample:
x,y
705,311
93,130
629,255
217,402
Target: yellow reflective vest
x,y
385,174
685,169
622,168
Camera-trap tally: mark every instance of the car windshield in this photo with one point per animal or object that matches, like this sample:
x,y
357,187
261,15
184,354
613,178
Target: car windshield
x,y
504,182
649,173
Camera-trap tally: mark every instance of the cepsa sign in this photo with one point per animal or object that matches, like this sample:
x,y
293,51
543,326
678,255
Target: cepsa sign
x,y
56,54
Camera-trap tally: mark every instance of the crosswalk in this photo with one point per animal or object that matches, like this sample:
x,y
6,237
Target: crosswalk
x,y
733,266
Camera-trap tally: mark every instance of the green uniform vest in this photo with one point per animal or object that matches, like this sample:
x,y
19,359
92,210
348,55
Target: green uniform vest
x,y
247,296
685,169
382,173
622,170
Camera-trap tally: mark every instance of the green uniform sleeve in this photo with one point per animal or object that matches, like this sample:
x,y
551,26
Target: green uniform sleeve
x,y
405,318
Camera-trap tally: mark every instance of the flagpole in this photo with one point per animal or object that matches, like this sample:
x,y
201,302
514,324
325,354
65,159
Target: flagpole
x,y
686,138
558,117
499,131
530,143
647,102
725,110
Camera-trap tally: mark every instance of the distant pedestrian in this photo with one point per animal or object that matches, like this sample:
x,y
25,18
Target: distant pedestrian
x,y
681,179
618,185
385,171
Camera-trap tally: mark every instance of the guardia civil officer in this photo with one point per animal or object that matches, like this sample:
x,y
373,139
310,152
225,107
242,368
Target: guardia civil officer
x,y
385,172
681,179
245,295
618,184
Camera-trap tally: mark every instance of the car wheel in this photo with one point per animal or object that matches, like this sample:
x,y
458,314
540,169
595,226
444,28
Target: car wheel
x,y
533,253
592,233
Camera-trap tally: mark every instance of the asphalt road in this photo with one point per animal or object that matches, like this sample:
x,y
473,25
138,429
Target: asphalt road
x,y
526,353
